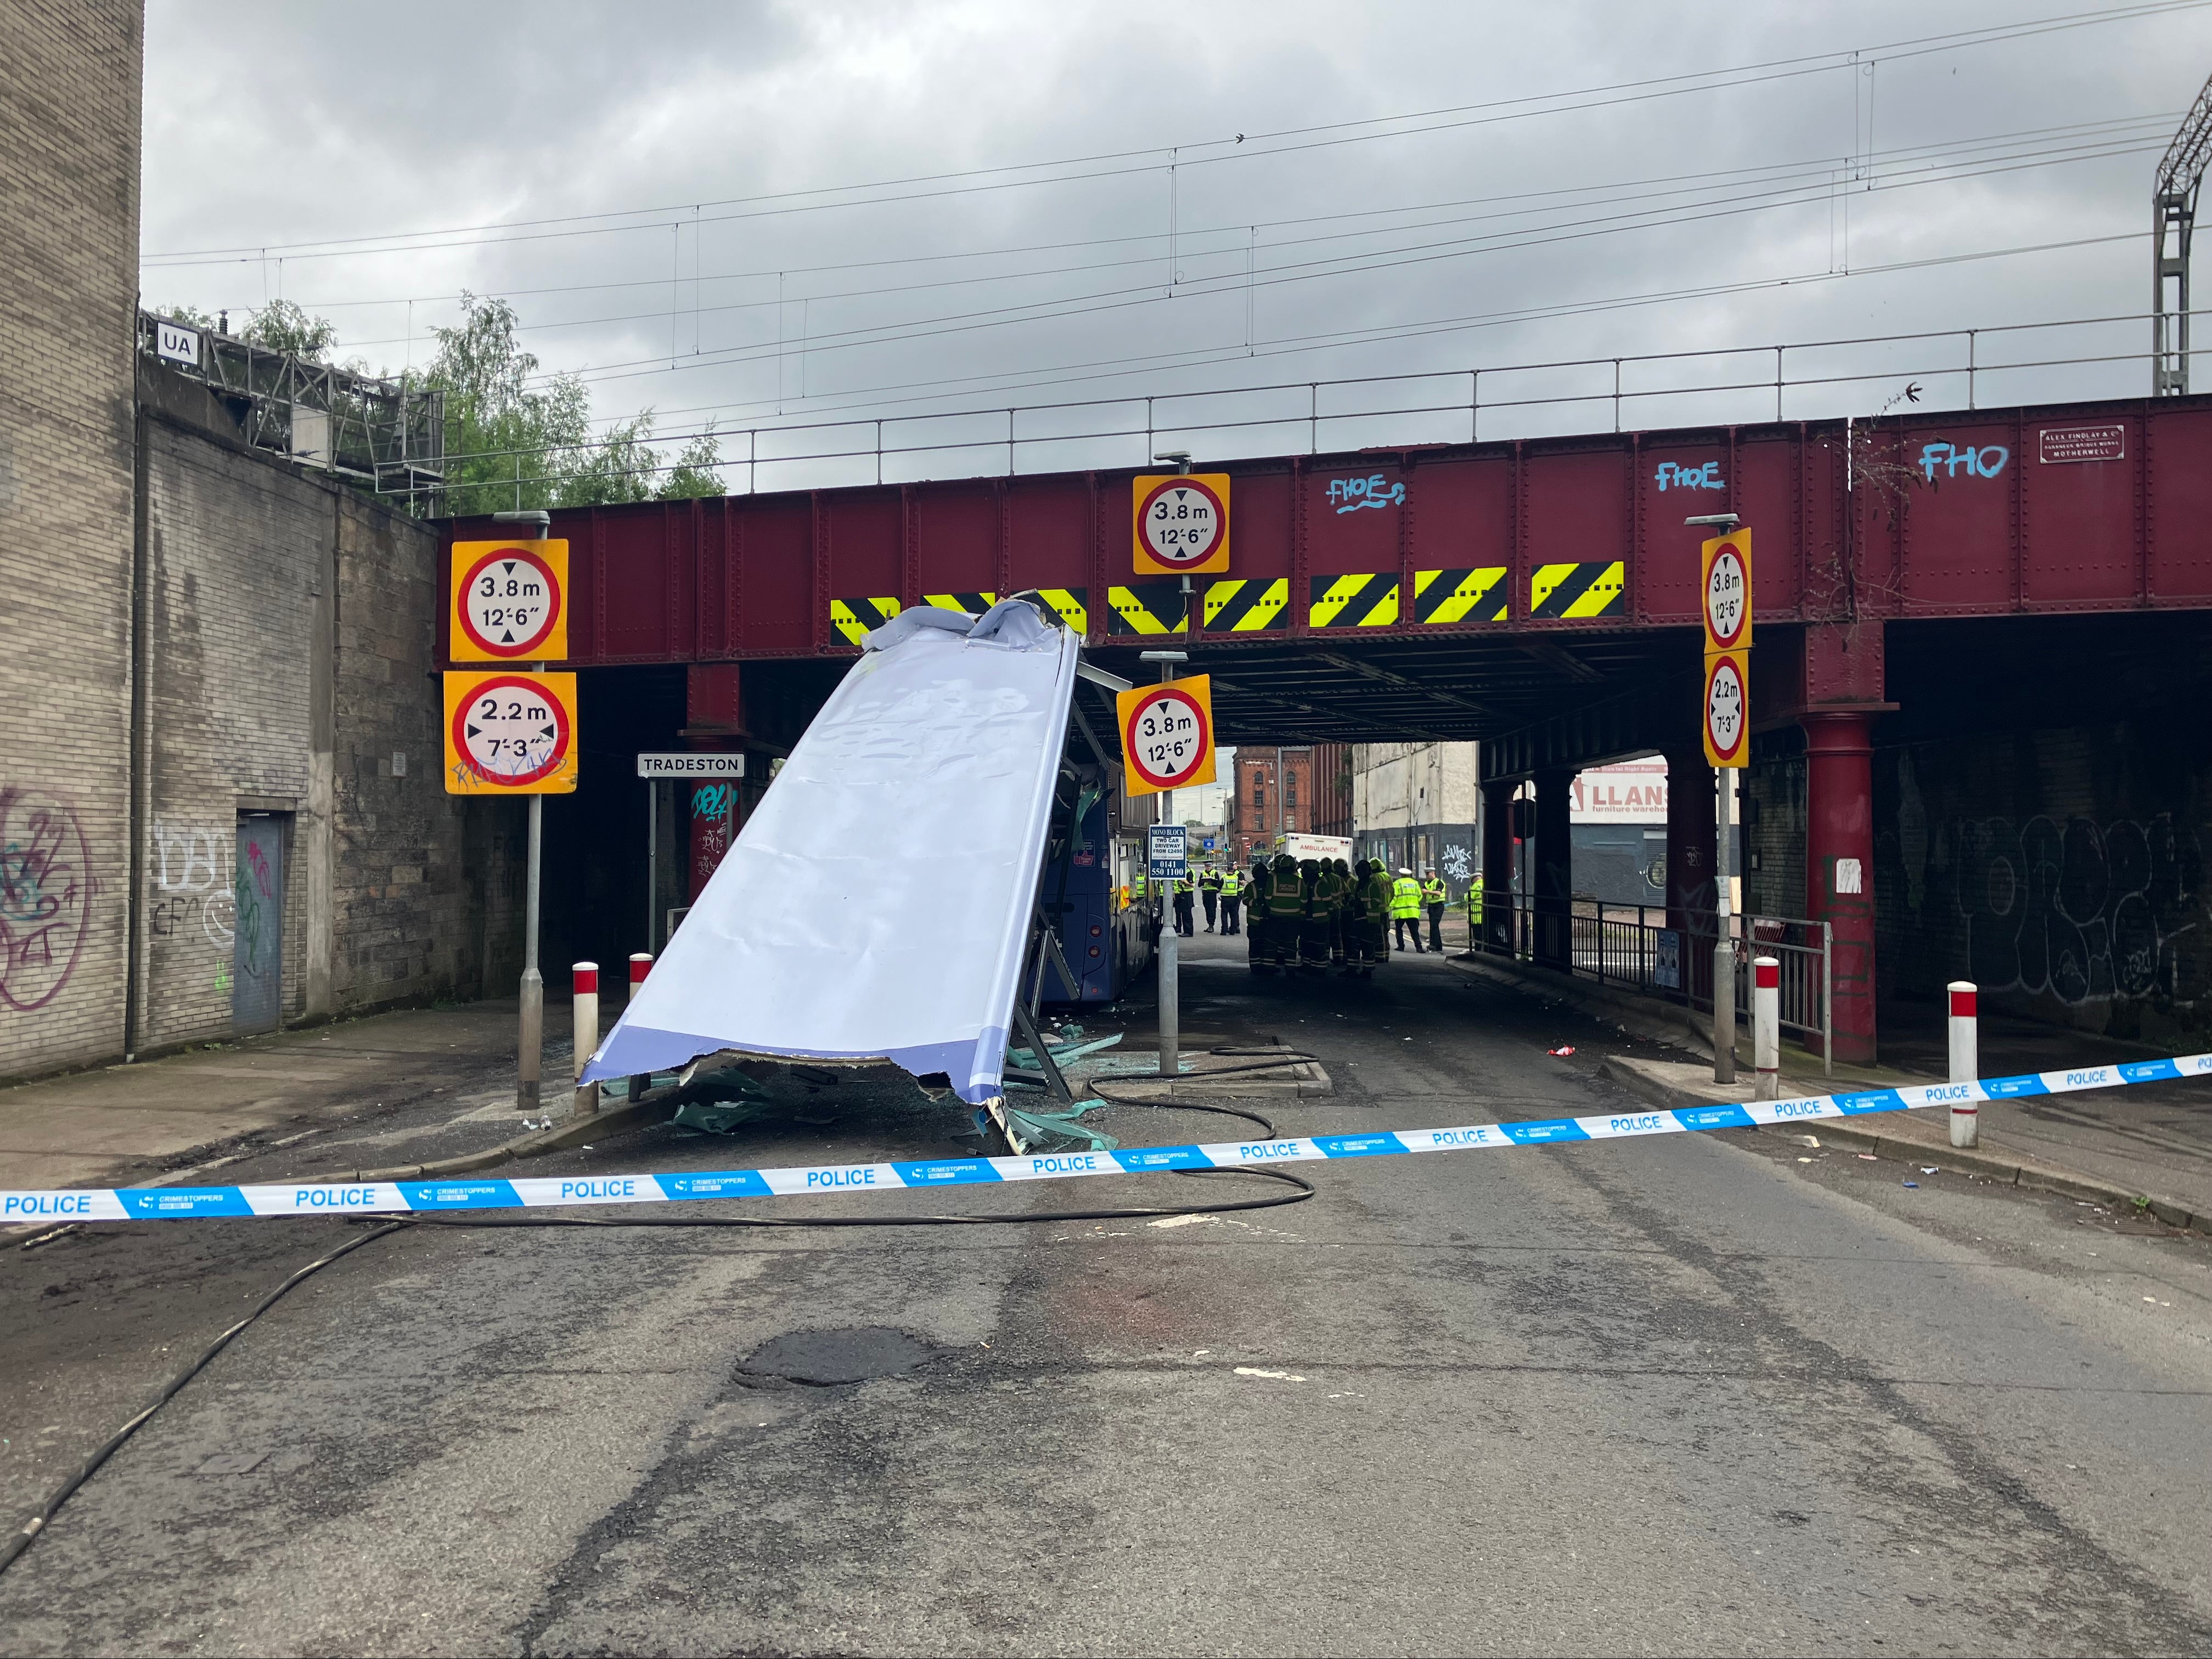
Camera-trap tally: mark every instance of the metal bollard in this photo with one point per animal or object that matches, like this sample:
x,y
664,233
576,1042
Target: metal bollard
x,y
584,988
1767,1026
640,964
1965,1059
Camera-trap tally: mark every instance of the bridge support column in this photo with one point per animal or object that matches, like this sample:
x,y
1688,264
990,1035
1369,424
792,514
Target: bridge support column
x,y
1497,868
1554,868
714,718
1839,866
1692,808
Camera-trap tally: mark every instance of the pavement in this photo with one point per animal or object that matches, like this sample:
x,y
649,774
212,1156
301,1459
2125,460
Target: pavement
x,y
438,1081
2146,1141
1692,1393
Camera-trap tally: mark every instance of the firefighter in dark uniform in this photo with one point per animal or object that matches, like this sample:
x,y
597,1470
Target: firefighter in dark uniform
x,y
1358,960
1286,906
1258,943
1379,889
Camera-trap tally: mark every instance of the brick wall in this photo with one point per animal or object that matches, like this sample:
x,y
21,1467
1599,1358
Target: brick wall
x,y
70,79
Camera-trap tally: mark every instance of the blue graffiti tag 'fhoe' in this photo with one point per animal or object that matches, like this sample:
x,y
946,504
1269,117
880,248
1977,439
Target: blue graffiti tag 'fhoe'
x,y
876,906
183,1203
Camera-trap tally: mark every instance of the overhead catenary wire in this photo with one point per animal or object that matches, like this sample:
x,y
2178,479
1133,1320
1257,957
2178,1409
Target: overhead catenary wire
x,y
1782,193
1243,147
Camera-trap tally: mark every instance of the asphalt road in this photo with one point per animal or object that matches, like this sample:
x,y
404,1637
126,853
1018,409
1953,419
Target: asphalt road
x,y
1693,1393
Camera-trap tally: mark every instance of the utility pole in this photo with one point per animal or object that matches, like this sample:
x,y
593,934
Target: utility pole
x,y
2172,221
529,1052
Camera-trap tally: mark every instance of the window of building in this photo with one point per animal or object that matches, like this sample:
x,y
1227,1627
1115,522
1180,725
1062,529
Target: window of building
x,y
1291,789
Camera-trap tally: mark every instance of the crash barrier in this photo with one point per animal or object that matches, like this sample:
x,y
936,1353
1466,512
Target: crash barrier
x,y
303,1198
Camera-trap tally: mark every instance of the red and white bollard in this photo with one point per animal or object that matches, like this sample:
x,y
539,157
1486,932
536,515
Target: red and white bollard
x,y
584,989
640,964
1766,1027
1965,1059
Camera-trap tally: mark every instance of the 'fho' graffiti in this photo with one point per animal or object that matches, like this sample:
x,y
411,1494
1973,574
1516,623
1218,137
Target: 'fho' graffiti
x,y
1984,463
46,889
2080,912
1350,495
1671,477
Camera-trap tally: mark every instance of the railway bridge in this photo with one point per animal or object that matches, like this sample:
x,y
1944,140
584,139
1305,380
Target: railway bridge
x,y
1978,690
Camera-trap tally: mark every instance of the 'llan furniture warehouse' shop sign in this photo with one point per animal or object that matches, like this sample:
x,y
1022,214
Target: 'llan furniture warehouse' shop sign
x,y
1634,792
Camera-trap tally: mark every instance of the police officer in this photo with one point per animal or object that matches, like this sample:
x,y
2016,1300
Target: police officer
x,y
1406,909
1231,894
1432,899
1209,893
1185,902
1474,913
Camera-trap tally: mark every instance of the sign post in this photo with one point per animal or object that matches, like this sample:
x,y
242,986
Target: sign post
x,y
1167,859
1725,565
652,768
514,734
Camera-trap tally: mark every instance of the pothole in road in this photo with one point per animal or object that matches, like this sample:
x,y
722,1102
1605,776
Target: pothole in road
x,y
823,1359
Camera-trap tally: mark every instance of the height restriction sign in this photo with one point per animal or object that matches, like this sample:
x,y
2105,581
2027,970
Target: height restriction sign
x,y
510,602
1727,567
1727,708
1167,735
510,733
1182,523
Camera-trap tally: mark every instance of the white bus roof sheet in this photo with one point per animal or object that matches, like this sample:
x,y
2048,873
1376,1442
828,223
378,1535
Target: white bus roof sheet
x,y
877,904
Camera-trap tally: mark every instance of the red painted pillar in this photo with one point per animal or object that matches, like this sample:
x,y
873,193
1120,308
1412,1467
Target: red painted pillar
x,y
1691,840
1839,865
713,807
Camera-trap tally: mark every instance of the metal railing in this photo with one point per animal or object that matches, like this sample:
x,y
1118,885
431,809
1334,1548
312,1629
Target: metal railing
x,y
1652,951
2066,359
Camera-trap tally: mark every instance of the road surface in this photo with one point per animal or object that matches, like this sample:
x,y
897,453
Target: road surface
x,y
1691,1394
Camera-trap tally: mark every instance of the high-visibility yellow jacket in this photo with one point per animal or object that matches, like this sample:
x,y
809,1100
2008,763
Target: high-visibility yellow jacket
x,y
1405,899
1228,887
1433,891
1474,902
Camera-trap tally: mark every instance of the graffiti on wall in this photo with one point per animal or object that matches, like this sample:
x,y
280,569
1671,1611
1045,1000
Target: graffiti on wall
x,y
2077,911
191,868
46,889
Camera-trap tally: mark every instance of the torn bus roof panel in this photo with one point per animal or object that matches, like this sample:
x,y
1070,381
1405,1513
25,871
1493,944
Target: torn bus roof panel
x,y
878,903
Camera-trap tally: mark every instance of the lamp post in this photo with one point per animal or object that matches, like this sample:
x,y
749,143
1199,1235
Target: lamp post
x,y
1724,947
530,1054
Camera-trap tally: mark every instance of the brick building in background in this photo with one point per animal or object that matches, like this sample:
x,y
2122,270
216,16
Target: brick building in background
x,y
1304,790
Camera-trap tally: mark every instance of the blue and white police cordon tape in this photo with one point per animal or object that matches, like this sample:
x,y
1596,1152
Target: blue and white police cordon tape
x,y
385,1197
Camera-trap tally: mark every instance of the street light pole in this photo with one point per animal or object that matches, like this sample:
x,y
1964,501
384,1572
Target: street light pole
x,y
530,1048
1171,950
1723,945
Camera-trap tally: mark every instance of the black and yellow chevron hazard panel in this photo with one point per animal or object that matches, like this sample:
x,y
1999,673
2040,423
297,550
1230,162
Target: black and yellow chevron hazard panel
x,y
1248,605
854,618
1146,608
974,604
1354,602
1465,595
1557,590
1072,604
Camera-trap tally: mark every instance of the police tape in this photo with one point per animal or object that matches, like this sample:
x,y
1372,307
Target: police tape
x,y
388,1197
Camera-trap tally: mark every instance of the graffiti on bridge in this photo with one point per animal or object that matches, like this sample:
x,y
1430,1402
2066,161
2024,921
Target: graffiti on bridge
x,y
2082,913
46,889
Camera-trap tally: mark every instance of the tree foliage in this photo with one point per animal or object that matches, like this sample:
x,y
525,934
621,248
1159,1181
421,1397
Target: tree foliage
x,y
518,439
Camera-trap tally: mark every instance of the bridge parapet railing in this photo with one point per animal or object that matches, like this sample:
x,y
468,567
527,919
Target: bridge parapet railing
x,y
1668,954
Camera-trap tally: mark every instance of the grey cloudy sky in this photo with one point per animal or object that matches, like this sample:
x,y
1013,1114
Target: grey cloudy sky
x,y
1318,247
